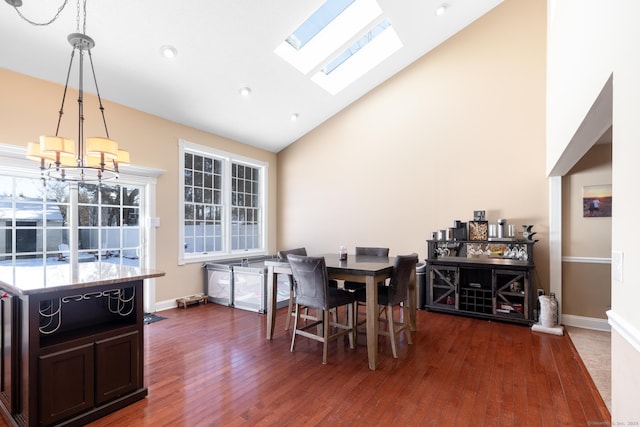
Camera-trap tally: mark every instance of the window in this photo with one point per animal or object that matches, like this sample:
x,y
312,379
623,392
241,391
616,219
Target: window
x,y
109,221
317,22
223,209
356,46
36,218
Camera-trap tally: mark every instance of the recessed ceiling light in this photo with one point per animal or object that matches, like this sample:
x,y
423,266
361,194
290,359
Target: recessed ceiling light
x,y
295,117
245,91
168,51
441,9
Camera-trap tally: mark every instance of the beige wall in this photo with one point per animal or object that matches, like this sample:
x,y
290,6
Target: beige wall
x,y
586,272
586,289
589,42
586,237
461,129
28,108
625,292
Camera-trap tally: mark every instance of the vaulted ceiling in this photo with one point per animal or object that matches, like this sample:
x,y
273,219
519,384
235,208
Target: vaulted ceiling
x,y
222,46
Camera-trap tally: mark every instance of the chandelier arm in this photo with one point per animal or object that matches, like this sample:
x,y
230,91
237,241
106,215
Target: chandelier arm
x,y
64,94
42,24
101,107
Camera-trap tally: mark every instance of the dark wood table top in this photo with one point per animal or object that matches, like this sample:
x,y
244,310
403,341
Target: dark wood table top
x,y
355,264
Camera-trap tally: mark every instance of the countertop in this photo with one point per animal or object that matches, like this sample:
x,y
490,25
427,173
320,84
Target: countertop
x,y
25,280
489,261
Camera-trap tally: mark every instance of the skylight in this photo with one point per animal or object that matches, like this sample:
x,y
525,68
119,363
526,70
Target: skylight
x,y
318,44
317,22
350,66
359,44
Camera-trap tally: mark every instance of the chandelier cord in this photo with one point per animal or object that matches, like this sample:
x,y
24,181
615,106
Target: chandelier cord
x,y
84,17
100,106
57,15
64,94
43,24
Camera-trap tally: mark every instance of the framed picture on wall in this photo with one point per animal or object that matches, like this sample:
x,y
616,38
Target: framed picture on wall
x,y
596,201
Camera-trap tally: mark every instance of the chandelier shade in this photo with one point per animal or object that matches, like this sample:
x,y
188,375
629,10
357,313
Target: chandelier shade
x,y
103,147
123,157
56,144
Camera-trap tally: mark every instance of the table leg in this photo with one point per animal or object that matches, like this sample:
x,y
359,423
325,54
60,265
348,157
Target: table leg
x,y
372,321
271,301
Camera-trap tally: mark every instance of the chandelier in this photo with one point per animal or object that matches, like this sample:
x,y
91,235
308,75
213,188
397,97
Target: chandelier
x,y
85,160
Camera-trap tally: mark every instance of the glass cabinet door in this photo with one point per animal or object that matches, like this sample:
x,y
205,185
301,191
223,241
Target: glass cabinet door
x,y
511,288
443,280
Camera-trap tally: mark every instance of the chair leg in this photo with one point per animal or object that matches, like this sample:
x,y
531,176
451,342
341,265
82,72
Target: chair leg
x,y
295,328
287,322
325,336
405,319
392,331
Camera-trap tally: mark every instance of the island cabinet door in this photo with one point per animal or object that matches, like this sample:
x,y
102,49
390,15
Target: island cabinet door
x,y
8,354
66,383
117,366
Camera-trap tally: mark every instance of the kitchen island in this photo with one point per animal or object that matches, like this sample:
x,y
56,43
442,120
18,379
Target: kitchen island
x,y
72,341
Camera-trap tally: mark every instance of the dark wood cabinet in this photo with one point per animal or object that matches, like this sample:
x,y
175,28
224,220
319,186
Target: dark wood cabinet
x,y
89,351
76,380
72,355
9,310
118,366
66,386
466,277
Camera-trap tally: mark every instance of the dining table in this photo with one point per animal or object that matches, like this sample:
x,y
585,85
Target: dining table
x,y
366,269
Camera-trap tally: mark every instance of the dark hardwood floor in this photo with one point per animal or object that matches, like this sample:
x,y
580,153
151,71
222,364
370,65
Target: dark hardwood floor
x,y
211,365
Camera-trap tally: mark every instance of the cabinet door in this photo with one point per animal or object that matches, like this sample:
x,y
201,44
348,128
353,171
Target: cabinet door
x,y
443,282
117,362
512,290
8,355
66,383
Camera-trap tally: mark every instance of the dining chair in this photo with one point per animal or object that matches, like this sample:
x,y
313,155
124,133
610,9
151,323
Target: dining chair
x,y
396,293
363,250
282,256
312,290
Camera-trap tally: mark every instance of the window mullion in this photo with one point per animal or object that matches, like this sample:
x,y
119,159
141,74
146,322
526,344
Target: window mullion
x,y
227,193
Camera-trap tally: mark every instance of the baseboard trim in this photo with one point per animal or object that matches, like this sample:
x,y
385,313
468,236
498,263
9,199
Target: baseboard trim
x,y
166,304
586,322
625,329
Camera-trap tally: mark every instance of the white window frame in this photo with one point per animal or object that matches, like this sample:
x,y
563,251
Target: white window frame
x,y
227,158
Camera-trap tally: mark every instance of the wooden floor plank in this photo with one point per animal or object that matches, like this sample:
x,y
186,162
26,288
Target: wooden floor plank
x,y
210,365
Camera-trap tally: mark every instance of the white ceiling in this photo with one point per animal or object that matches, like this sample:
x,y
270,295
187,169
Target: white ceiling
x,y
223,45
